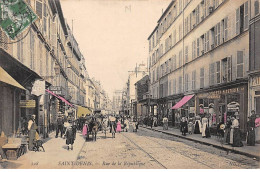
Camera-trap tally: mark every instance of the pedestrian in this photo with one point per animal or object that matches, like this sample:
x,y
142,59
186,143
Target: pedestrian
x,y
235,139
227,131
197,128
60,126
70,136
165,123
205,128
257,129
136,126
85,131
118,127
184,126
126,125
250,139
190,126
32,127
151,122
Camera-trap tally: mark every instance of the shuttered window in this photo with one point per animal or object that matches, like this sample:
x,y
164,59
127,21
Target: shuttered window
x,y
229,73
212,74
186,54
174,62
238,21
186,82
226,29
193,49
198,47
240,64
180,58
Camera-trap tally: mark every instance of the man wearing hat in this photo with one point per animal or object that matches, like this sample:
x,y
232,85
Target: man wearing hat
x,y
60,123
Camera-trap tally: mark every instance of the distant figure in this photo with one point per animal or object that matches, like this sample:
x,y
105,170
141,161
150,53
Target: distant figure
x,y
118,127
235,139
184,126
32,127
205,127
257,129
70,137
251,131
126,125
197,128
60,126
165,123
190,127
85,131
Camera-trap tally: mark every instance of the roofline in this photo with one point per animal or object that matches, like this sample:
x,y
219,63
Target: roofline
x,y
153,32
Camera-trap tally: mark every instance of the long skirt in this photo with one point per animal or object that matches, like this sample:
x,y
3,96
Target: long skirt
x,y
227,135
250,139
204,126
32,134
197,128
118,128
207,132
235,138
70,141
257,135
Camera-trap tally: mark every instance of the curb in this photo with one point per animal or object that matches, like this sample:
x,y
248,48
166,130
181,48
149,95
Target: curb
x,y
206,143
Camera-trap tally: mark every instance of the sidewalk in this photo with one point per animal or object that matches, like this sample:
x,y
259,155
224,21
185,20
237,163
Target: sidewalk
x,y
251,151
56,155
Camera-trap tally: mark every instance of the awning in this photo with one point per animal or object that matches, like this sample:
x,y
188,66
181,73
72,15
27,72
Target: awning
x,y
184,100
82,111
6,78
59,97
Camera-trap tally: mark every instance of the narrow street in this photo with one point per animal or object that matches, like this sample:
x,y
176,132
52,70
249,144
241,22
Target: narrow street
x,y
152,150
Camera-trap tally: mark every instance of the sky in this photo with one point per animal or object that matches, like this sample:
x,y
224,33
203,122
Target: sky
x,y
112,35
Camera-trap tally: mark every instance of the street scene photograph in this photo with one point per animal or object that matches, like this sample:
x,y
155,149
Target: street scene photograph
x,y
130,84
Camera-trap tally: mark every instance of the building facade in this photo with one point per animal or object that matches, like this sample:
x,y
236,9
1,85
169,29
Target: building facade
x,y
48,53
201,48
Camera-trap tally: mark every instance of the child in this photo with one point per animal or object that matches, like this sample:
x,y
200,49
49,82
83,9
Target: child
x,y
190,127
69,134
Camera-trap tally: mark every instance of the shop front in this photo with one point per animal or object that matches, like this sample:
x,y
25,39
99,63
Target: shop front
x,y
254,93
221,104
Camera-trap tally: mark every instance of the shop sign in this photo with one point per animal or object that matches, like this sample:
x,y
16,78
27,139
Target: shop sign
x,y
218,93
38,88
256,81
27,103
15,17
56,90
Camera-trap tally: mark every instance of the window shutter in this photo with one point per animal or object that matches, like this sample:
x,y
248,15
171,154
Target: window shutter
x,y
39,8
238,21
201,77
240,64
226,29
246,18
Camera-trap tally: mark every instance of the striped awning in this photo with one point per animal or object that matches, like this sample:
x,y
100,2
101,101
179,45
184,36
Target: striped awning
x,y
6,78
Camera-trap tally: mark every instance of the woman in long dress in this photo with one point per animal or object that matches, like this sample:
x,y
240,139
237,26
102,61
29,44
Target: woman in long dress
x,y
85,131
257,129
235,139
197,128
250,139
204,126
227,131
118,127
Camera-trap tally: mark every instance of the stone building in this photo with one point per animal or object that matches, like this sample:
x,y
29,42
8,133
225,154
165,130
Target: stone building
x,y
199,58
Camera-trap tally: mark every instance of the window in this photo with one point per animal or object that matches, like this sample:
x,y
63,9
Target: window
x,y
193,84
153,40
207,42
217,34
180,58
32,43
186,54
157,77
180,85
212,74
197,15
212,38
180,6
240,64
170,65
202,44
47,63
218,72
149,44
238,21
201,77
242,19
186,82
167,67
